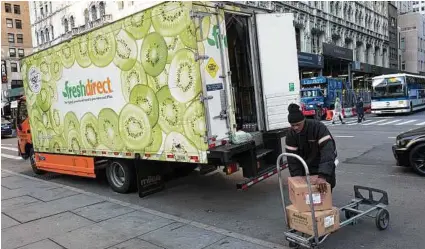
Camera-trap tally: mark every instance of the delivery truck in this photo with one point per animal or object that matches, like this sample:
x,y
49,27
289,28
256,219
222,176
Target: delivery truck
x,y
176,86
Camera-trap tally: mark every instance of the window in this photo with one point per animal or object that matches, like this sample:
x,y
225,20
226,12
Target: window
x,y
18,24
53,35
20,38
72,22
47,9
315,47
17,84
17,9
423,8
21,52
65,23
9,23
102,9
13,67
42,11
86,16
93,13
12,52
403,65
42,37
11,38
8,8
47,35
392,21
402,44
120,5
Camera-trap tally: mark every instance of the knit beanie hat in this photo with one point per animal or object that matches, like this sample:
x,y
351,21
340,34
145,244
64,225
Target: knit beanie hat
x,y
295,115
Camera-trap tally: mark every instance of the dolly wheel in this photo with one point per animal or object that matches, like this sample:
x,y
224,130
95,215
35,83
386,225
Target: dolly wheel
x,y
382,219
293,245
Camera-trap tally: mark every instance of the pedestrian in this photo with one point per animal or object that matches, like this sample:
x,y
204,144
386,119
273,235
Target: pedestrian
x,y
360,110
337,111
311,140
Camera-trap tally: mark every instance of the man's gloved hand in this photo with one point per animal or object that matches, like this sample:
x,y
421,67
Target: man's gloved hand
x,y
321,184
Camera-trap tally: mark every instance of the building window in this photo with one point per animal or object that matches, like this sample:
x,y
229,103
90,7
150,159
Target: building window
x,y
402,44
17,9
86,16
71,19
18,24
102,9
53,35
47,35
16,84
93,13
120,5
403,65
20,38
65,23
12,52
14,67
11,38
50,6
42,11
42,37
47,9
9,23
8,8
38,38
21,52
315,47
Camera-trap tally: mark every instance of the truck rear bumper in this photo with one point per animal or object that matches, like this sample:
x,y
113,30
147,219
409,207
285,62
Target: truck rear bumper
x,y
309,112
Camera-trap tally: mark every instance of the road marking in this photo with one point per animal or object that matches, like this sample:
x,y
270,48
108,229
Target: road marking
x,y
345,136
423,123
409,121
9,148
375,122
11,157
390,122
367,121
392,137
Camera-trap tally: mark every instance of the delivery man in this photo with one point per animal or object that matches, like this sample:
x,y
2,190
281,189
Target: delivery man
x,y
311,140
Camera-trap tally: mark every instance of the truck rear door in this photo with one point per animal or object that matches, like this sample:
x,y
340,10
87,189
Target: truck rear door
x,y
279,66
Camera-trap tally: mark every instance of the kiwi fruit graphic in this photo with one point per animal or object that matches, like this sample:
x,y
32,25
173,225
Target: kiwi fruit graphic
x,y
35,117
44,97
45,119
173,45
66,53
39,133
170,111
138,25
56,144
81,51
159,81
194,124
102,147
134,127
144,97
56,121
70,123
153,54
180,146
171,18
126,55
43,65
193,33
109,132
52,88
102,47
130,78
74,141
184,79
55,67
89,131
156,140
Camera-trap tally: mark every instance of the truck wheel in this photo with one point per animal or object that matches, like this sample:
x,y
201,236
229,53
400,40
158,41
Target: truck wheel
x,y
33,164
121,176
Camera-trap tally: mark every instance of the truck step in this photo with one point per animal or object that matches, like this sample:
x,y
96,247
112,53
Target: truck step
x,y
270,171
263,152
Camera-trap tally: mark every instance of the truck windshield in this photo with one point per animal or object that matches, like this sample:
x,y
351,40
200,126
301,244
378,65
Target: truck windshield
x,y
388,87
310,93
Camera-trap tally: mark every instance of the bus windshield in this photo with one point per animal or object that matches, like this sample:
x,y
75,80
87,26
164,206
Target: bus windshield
x,y
389,87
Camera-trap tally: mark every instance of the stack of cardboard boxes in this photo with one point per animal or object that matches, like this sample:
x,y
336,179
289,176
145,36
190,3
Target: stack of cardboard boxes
x,y
299,213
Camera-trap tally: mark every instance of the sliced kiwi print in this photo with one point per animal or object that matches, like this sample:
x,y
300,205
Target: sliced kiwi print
x,y
170,111
153,54
44,97
57,144
184,79
102,47
171,18
74,141
89,131
144,97
55,67
81,51
134,127
155,142
39,134
138,25
70,123
109,132
130,78
126,55
43,65
178,145
173,45
66,53
159,81
45,119
35,116
194,124
195,33
56,121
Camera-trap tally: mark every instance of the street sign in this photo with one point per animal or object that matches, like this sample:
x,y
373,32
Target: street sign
x,y
291,86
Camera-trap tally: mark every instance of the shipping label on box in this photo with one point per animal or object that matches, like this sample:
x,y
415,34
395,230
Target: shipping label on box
x,y
298,194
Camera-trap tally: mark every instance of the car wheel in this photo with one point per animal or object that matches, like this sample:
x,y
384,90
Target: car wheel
x,y
33,163
417,159
121,176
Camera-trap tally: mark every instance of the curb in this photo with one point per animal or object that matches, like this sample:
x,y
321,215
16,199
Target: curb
x,y
161,214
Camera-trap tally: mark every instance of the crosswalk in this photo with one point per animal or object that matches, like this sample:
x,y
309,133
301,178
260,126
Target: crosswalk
x,y
10,153
378,122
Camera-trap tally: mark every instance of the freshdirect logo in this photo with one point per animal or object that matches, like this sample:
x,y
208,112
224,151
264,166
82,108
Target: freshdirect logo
x,y
215,41
91,88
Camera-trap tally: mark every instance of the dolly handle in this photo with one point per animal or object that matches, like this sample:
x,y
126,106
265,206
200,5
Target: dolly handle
x,y
310,192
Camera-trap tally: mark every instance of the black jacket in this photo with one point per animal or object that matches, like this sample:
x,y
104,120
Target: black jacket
x,y
316,146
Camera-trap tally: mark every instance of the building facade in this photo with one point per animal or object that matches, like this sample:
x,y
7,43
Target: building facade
x,y
418,7
16,43
393,36
412,42
403,6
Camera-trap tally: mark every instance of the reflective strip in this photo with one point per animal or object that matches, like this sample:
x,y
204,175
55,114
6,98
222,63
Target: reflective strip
x,y
323,139
291,148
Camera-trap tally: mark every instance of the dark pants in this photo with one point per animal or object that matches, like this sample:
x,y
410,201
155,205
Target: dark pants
x,y
360,117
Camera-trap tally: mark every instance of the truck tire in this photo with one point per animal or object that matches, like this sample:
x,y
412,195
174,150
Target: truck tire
x,y
121,176
33,164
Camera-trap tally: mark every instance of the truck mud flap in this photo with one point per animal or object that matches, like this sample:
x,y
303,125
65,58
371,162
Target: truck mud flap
x,y
150,178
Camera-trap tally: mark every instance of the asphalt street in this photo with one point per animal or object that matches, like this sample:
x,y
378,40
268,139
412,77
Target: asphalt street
x,y
366,159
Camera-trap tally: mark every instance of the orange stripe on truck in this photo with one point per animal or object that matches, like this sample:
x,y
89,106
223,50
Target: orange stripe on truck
x,y
72,165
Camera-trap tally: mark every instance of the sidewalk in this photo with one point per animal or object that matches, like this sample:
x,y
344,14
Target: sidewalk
x,y
46,215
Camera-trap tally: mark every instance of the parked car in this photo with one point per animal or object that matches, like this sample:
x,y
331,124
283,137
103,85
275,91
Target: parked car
x,y
6,127
409,149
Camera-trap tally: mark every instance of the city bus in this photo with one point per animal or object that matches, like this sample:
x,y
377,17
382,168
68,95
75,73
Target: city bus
x,y
398,93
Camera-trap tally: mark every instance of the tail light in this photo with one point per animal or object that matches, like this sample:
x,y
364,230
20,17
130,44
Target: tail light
x,y
231,168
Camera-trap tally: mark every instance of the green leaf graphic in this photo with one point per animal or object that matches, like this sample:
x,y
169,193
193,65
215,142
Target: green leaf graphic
x,y
211,42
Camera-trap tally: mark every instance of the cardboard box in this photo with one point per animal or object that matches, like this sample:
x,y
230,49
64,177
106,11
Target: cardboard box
x,y
298,194
327,221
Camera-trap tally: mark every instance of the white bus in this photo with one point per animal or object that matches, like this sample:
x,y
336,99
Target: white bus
x,y
398,93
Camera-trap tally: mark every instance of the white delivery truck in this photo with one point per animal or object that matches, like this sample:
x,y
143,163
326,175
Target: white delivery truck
x,y
170,87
